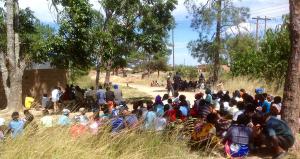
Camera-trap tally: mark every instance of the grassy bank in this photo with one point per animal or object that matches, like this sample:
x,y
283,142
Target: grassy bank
x,y
56,143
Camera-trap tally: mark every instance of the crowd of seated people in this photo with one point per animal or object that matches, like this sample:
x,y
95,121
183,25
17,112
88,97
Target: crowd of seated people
x,y
240,122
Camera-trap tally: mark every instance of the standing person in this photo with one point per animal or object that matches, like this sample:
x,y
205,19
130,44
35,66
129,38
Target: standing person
x,y
118,95
170,86
16,125
177,80
55,98
110,96
201,79
46,120
45,101
101,99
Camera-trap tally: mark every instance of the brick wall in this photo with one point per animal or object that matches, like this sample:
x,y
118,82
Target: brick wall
x,y
37,82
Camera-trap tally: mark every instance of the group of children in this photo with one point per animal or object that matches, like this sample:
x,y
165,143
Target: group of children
x,y
241,122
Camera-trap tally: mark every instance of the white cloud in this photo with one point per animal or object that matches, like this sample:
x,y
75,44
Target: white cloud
x,y
43,10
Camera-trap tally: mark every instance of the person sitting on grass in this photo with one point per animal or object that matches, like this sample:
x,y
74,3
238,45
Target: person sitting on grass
x,y
130,120
46,120
2,129
158,106
77,129
278,134
83,118
117,124
64,119
95,122
16,125
149,117
237,138
205,134
29,119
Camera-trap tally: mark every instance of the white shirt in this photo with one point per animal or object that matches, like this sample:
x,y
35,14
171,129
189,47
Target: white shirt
x,y
55,95
237,114
47,121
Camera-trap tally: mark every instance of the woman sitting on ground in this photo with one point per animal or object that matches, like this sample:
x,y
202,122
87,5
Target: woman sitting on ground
x,y
237,138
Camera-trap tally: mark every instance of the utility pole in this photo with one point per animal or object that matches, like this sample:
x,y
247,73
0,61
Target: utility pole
x,y
266,23
258,18
173,49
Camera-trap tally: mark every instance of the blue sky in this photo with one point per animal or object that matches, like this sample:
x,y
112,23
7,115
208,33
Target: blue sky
x,y
273,9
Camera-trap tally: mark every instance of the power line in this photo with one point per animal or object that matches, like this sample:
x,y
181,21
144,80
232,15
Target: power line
x,y
257,20
270,7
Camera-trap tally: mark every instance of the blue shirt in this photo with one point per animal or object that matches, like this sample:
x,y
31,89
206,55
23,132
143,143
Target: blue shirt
x,y
149,120
16,127
117,124
208,98
183,110
267,106
64,120
160,110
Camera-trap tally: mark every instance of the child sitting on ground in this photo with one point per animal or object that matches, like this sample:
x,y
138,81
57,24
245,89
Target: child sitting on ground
x,y
64,119
237,138
82,117
16,125
2,121
46,120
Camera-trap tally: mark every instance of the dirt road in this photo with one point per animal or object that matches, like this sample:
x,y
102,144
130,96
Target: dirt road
x,y
154,91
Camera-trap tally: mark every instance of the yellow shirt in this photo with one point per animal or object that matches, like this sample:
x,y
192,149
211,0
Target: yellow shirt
x,y
28,102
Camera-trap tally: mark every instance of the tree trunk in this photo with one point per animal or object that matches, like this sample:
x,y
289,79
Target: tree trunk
x,y
12,65
107,76
107,73
216,57
97,75
291,95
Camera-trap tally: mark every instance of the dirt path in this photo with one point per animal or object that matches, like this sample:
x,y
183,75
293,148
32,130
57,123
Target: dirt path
x,y
154,91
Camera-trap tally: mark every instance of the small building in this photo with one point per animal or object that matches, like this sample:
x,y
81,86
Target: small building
x,y
37,80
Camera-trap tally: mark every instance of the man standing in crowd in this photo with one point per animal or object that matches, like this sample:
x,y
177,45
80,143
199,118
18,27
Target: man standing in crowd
x,y
177,80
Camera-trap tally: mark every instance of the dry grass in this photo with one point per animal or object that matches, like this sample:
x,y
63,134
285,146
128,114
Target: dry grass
x,y
232,84
56,143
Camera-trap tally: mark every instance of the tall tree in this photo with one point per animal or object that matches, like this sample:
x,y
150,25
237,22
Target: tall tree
x,y
291,95
72,47
155,23
26,42
211,19
12,62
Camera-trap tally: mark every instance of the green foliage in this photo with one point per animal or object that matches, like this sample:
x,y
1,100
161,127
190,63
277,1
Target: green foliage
x,y
204,19
72,47
189,72
158,64
35,38
271,61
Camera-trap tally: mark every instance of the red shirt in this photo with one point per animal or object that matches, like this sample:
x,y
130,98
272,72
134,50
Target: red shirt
x,y
78,130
